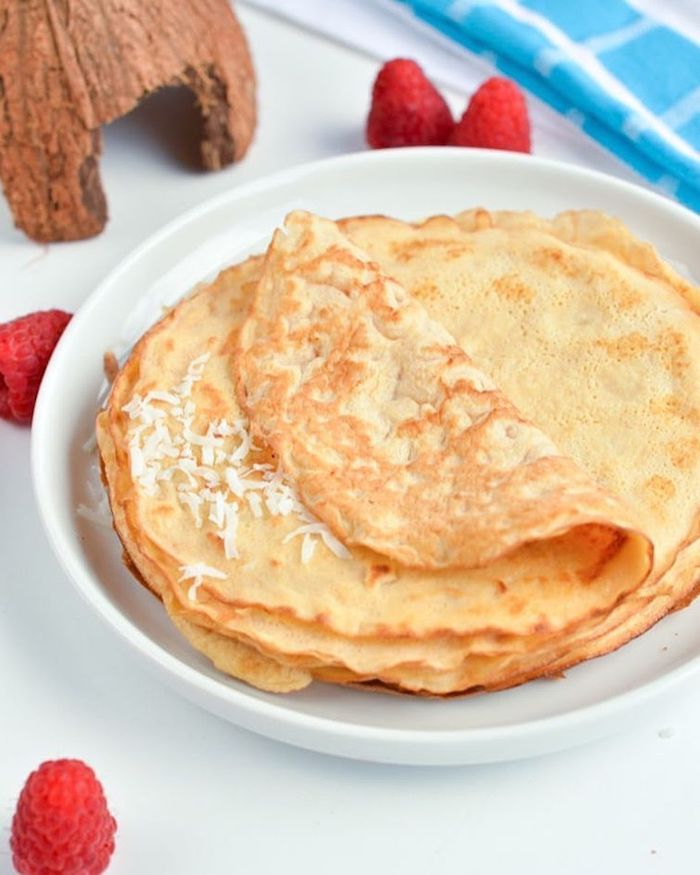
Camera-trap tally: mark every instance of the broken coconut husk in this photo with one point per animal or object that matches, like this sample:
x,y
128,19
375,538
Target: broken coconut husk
x,y
69,66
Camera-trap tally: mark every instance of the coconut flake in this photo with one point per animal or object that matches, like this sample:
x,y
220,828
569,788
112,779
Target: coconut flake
x,y
314,528
208,474
197,365
160,449
242,450
197,573
255,504
308,545
97,508
137,460
193,501
167,397
217,511
334,545
230,531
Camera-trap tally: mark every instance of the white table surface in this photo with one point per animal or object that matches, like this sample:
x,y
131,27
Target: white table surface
x,y
193,794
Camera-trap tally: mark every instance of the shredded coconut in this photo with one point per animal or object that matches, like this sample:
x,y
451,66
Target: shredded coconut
x,y
308,529
308,545
230,530
255,504
194,502
334,545
165,446
196,573
97,509
321,529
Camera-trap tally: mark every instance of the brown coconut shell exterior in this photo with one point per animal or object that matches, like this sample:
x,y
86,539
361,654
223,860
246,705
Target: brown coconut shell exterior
x,y
69,66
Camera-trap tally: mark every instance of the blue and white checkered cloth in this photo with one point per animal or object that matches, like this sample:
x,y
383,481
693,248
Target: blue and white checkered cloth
x,y
631,83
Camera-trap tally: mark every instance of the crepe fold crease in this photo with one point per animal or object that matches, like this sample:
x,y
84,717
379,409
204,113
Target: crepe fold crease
x,y
430,458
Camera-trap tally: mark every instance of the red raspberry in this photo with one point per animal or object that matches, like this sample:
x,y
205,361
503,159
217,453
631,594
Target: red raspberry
x,y
26,345
496,118
407,109
62,825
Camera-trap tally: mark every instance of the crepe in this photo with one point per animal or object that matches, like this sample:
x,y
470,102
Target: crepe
x,y
395,439
271,582
596,339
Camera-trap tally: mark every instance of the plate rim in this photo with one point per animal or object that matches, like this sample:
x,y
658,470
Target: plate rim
x,y
414,746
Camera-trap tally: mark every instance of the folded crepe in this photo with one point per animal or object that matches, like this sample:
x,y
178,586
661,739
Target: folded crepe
x,y
593,336
216,524
393,436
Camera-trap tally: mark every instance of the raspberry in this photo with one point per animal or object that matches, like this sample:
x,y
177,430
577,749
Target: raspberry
x,y
26,345
407,109
62,825
496,118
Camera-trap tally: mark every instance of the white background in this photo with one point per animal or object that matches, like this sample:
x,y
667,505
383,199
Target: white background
x,y
191,793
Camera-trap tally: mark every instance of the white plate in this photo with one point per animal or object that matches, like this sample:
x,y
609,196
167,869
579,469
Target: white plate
x,y
596,698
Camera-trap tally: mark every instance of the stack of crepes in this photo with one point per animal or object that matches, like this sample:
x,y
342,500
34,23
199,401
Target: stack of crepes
x,y
428,458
